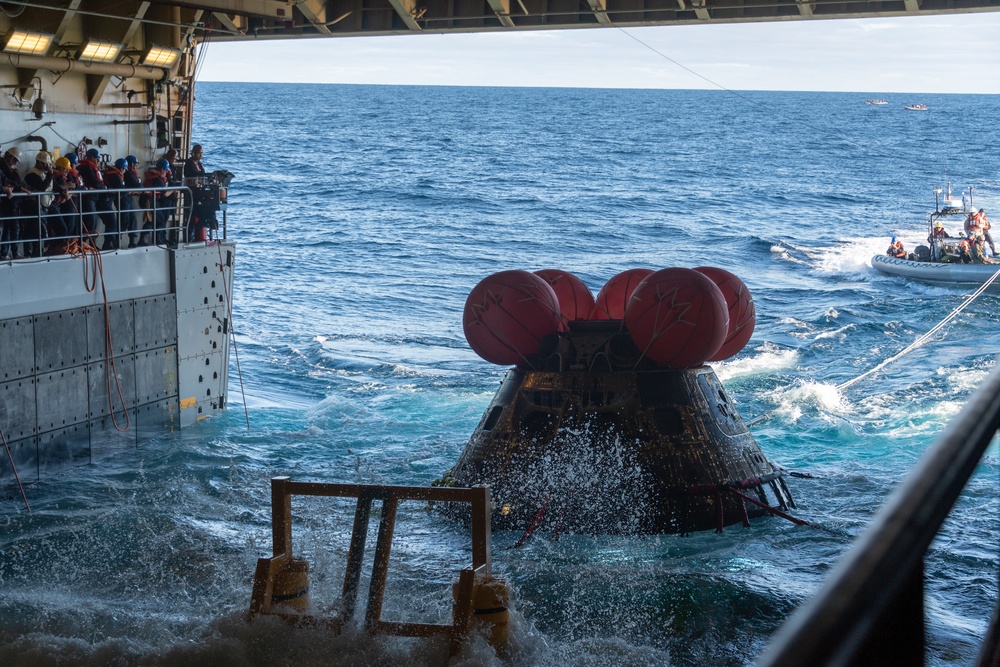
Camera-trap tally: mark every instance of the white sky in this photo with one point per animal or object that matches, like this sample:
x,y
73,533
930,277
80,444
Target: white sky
x,y
958,53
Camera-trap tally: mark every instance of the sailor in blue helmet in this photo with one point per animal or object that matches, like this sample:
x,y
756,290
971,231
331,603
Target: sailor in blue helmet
x,y
97,205
896,249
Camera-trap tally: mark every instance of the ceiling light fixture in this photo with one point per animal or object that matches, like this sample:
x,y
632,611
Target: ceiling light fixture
x,y
160,56
98,51
32,43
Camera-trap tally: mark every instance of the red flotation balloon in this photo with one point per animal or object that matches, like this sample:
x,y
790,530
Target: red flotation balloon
x,y
677,317
613,297
742,312
508,314
575,299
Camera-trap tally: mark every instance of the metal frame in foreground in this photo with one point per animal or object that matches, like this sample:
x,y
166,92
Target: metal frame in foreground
x,y
474,583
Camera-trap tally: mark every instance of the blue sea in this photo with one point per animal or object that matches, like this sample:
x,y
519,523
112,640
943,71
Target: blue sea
x,y
365,215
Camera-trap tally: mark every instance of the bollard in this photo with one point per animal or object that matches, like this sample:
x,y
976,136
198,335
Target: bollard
x,y
291,586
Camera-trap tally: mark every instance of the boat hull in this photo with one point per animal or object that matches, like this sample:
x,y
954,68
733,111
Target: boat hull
x,y
938,273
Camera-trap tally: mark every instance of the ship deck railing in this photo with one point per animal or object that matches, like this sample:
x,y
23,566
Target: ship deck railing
x,y
154,224
871,608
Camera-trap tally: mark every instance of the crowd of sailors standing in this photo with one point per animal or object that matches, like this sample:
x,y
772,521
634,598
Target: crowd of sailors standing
x,y
70,199
970,248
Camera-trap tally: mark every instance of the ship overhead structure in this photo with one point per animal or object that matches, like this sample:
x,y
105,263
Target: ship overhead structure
x,y
611,422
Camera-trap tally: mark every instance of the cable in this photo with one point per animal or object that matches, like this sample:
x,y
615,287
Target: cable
x,y
232,332
923,339
909,348
14,468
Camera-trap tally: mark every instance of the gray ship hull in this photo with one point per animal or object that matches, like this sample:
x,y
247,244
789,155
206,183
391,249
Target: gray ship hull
x,y
70,393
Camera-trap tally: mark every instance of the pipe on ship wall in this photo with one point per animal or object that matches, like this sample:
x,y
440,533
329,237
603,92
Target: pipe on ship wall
x,y
55,64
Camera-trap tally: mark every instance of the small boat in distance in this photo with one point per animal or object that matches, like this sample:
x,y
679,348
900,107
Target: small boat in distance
x,y
915,107
879,102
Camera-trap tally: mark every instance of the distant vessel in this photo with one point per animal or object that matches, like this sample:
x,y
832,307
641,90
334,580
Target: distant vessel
x,y
916,107
880,102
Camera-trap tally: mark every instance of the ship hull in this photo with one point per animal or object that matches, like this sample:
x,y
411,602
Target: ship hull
x,y
74,389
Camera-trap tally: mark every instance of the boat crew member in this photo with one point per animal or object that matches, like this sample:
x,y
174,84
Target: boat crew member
x,y
964,251
978,252
896,249
984,225
937,240
10,224
939,232
34,210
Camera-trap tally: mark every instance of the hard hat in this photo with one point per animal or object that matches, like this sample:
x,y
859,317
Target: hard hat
x,y
163,164
121,163
939,224
64,163
131,159
93,152
43,156
14,152
72,157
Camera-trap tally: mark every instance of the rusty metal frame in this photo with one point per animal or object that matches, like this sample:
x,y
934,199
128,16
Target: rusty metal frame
x,y
282,490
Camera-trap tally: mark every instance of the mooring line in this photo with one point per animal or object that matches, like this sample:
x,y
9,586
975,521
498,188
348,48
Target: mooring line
x,y
13,467
923,339
909,348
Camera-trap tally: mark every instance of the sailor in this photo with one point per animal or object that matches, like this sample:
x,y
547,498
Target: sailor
x,y
34,210
192,166
202,217
155,205
114,178
63,182
896,249
10,224
98,204
133,181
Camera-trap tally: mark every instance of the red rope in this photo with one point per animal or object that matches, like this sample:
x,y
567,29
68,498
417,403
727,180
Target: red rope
x,y
535,523
775,511
84,249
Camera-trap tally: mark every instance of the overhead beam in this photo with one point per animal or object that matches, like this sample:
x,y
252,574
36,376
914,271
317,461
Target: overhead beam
x,y
502,9
600,11
229,22
407,10
314,11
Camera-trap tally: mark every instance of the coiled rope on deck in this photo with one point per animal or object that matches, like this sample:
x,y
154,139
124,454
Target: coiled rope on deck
x,y
909,348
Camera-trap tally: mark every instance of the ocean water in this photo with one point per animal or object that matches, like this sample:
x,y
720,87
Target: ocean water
x,y
366,214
